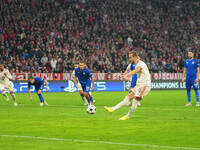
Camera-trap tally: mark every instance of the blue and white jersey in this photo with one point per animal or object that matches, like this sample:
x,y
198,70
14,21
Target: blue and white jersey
x,y
191,68
38,83
130,68
83,75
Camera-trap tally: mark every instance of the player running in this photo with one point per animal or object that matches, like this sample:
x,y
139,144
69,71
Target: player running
x,y
84,76
5,78
191,76
79,86
39,84
142,88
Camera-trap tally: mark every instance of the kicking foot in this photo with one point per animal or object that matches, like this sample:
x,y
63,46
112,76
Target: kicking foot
x,y
41,104
124,118
108,109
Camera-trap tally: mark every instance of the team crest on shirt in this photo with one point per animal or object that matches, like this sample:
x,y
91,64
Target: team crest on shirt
x,y
193,62
83,73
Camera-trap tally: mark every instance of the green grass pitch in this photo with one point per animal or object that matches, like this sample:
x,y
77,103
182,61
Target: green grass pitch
x,y
162,122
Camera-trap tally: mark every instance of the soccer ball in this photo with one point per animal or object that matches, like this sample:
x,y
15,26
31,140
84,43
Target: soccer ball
x,y
91,109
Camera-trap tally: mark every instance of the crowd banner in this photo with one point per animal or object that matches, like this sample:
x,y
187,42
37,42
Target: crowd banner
x,y
69,86
97,76
164,85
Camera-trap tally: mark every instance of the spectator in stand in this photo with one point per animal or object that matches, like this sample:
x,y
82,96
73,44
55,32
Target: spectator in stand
x,y
102,31
53,64
44,60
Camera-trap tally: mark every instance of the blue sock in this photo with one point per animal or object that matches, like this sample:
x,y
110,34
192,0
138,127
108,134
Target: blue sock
x,y
197,94
189,95
91,99
41,98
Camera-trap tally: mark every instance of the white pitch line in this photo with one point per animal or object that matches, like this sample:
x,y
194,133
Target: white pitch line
x,y
100,142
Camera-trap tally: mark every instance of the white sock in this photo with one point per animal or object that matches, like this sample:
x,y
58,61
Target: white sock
x,y
13,97
121,104
85,100
133,108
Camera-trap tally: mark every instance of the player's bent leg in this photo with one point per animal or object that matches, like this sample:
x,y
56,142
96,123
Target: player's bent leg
x,y
83,97
119,105
39,91
81,92
140,91
4,94
131,110
42,101
13,97
92,96
89,97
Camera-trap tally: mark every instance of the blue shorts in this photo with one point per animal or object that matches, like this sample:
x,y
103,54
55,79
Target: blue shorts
x,y
191,83
39,87
133,84
86,87
133,81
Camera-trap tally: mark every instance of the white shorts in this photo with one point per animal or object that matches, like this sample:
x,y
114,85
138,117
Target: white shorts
x,y
141,90
8,86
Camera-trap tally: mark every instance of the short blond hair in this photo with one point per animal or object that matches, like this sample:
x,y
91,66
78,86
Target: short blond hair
x,y
134,53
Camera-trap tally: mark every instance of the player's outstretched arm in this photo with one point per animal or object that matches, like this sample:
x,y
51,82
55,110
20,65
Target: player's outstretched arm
x,y
29,93
46,83
92,79
184,71
129,79
137,69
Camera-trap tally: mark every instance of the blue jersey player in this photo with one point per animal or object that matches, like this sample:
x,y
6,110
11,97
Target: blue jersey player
x,y
85,78
191,76
39,84
132,80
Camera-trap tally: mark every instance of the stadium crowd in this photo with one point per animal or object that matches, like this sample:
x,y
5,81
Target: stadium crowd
x,y
49,35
